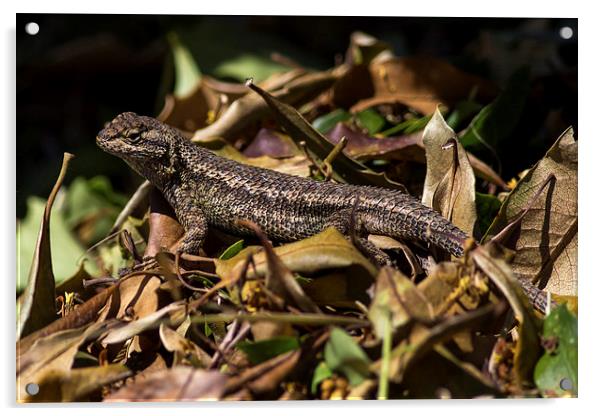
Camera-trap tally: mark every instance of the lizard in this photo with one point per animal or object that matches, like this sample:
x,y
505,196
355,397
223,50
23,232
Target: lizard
x,y
205,189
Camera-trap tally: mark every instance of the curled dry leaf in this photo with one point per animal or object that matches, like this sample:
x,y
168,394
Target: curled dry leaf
x,y
423,83
36,304
449,186
296,165
192,111
545,239
300,130
326,250
265,376
153,320
178,383
249,109
422,339
363,147
487,258
279,278
407,147
395,294
271,143
185,351
164,229
77,384
52,354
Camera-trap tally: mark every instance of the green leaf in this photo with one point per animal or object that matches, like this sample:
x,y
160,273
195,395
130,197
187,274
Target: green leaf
x,y
462,111
487,208
233,250
260,351
559,361
66,249
327,122
321,373
248,65
187,73
93,201
409,126
343,354
496,121
370,120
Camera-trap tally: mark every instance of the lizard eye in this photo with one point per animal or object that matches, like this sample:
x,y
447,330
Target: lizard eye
x,y
133,135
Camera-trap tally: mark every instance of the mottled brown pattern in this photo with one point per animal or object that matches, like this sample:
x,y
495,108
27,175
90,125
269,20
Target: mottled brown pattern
x,y
207,190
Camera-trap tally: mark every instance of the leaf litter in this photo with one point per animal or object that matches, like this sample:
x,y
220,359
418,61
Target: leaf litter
x,y
315,319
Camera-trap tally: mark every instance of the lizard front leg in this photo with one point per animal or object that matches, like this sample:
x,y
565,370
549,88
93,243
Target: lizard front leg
x,y
195,226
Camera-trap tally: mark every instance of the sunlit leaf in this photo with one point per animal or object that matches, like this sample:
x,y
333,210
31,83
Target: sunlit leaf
x,y
556,370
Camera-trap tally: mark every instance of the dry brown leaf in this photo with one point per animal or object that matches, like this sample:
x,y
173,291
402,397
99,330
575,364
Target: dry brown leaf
x,y
326,250
153,320
185,351
422,339
267,375
546,238
190,112
76,384
279,279
396,294
164,229
174,384
297,165
54,353
488,259
424,83
449,185
271,143
36,306
251,108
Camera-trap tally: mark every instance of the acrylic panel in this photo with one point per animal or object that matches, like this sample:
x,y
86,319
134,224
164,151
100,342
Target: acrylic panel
x,y
295,208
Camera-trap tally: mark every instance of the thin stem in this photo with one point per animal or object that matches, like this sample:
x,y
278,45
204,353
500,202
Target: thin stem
x,y
383,381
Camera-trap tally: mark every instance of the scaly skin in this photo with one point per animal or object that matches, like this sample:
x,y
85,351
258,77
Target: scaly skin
x,y
207,190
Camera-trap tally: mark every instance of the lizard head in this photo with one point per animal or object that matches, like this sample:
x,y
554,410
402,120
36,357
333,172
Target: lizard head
x,y
143,142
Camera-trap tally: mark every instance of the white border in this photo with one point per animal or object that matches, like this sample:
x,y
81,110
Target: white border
x,y
590,212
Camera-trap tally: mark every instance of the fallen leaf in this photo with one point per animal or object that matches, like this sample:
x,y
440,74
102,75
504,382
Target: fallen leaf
x,y
279,278
345,169
174,384
77,384
260,351
343,354
54,353
423,83
271,143
249,109
363,147
396,296
488,259
185,351
36,307
297,165
152,320
545,240
556,370
449,186
164,229
326,250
